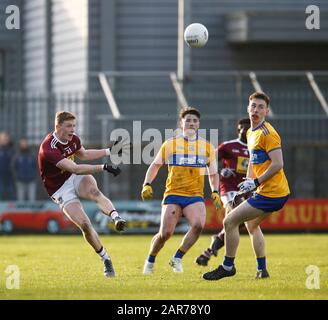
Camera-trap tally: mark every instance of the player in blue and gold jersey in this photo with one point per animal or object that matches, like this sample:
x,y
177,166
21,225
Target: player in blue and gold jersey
x,y
266,177
189,158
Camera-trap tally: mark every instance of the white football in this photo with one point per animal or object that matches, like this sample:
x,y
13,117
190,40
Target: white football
x,y
196,35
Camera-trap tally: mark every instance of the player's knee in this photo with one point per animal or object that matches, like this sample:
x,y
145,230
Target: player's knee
x,y
227,223
228,208
165,235
86,227
94,192
251,228
197,227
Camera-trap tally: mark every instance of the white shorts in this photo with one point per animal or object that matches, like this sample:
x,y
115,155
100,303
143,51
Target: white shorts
x,y
227,197
68,192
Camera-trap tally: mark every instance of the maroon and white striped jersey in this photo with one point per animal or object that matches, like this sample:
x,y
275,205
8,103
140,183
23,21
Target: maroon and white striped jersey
x,y
234,155
51,151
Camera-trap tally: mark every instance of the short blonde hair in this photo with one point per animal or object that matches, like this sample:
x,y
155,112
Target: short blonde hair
x,y
62,116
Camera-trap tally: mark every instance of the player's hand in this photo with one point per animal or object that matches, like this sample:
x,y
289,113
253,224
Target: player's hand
x,y
227,173
216,200
120,147
248,185
240,197
147,192
114,170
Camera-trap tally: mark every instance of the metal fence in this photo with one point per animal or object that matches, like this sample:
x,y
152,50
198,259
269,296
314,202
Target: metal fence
x,y
298,114
32,114
304,142
298,103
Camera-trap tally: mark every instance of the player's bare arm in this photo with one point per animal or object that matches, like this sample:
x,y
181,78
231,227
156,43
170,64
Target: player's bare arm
x,y
277,164
147,191
82,169
213,179
250,172
91,154
154,168
118,147
79,169
152,172
213,176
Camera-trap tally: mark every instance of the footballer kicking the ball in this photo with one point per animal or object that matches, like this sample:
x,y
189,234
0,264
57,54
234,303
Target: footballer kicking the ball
x,y
66,182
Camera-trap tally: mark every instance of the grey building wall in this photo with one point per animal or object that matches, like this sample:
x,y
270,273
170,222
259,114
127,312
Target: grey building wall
x,y
141,35
56,37
70,36
55,50
10,45
222,55
11,113
35,51
36,66
145,35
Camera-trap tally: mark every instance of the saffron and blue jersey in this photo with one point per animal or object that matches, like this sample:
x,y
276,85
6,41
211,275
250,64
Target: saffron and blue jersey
x,y
261,141
187,161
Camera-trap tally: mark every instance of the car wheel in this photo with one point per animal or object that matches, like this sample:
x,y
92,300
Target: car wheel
x,y
7,226
53,226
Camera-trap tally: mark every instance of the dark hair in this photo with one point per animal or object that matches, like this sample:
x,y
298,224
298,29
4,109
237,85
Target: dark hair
x,y
189,110
244,121
260,95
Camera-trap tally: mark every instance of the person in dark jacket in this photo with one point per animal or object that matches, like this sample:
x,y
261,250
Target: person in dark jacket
x,y
25,169
7,190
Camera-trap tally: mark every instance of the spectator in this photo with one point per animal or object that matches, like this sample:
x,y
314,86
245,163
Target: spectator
x,y
25,169
7,190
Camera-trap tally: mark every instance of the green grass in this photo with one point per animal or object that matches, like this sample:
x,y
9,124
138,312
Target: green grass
x,y
65,267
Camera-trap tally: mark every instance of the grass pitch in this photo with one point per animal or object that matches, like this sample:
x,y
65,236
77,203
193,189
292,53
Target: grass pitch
x,y
65,267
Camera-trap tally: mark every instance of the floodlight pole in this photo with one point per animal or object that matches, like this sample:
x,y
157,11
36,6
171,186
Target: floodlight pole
x,y
180,53
109,95
182,102
317,92
258,88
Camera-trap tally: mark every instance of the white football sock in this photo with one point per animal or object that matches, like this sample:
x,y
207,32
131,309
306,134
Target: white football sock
x,y
103,254
114,214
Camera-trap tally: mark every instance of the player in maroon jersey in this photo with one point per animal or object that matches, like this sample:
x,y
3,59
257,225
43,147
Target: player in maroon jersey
x,y
234,156
66,182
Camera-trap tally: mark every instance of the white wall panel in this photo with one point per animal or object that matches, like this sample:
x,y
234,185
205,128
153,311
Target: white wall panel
x,y
69,45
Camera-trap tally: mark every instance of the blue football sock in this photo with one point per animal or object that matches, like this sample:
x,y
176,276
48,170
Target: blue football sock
x,y
151,258
179,254
228,263
261,263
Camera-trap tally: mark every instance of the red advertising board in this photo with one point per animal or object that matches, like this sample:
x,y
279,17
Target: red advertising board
x,y
307,214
